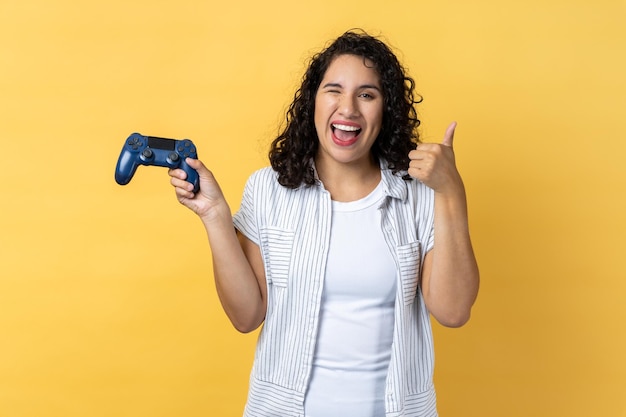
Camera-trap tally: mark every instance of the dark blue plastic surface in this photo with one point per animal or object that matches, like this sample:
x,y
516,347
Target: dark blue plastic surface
x,y
149,150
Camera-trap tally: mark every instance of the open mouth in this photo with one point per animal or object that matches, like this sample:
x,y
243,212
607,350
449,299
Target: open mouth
x,y
345,134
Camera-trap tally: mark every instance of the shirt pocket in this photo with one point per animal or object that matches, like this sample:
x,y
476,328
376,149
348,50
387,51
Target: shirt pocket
x,y
409,260
276,246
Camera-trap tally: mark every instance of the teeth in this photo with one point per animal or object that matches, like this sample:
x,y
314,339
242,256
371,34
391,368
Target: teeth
x,y
346,128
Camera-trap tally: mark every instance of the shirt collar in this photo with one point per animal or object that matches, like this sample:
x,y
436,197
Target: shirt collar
x,y
393,184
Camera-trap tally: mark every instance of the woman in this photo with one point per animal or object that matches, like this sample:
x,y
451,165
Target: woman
x,y
344,246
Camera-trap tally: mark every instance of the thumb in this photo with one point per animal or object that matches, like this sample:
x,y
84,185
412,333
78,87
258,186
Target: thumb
x,y
448,138
201,169
196,164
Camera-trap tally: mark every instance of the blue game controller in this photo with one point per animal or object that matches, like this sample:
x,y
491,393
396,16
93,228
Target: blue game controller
x,y
148,150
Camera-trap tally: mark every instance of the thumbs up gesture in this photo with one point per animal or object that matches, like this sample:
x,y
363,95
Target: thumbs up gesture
x,y
434,164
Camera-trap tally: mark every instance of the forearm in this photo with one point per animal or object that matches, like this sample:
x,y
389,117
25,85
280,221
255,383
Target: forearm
x,y
451,286
236,283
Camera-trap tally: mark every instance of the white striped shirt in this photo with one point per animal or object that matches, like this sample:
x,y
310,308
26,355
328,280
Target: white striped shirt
x,y
292,229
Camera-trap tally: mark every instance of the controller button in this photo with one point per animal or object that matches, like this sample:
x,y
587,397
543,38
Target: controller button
x,y
135,143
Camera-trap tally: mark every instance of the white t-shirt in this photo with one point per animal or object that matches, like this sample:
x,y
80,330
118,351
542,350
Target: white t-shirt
x,y
357,315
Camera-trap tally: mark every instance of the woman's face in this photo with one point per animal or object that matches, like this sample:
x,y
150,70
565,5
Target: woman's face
x,y
348,111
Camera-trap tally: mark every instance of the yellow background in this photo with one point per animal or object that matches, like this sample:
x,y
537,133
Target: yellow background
x,y
107,305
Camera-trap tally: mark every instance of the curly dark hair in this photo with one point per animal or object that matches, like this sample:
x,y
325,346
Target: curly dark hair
x,y
292,152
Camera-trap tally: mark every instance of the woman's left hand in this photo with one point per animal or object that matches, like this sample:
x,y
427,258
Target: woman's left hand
x,y
434,164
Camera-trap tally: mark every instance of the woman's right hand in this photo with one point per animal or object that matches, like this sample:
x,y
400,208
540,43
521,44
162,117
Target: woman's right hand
x,y
209,200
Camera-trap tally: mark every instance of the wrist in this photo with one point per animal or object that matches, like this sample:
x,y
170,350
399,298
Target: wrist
x,y
216,214
454,193
451,204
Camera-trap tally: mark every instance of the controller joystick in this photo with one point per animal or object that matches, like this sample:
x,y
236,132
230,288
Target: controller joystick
x,y
149,150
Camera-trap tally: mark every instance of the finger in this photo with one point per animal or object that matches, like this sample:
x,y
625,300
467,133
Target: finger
x,y
413,155
181,184
177,173
185,194
448,138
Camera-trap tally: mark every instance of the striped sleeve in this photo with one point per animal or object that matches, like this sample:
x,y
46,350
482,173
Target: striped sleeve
x,y
425,215
245,219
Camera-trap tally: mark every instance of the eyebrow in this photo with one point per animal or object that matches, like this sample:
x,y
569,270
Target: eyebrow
x,y
361,87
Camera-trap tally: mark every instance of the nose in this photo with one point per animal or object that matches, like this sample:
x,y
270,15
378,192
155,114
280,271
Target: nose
x,y
348,106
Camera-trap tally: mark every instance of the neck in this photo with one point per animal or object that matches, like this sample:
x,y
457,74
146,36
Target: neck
x,y
346,182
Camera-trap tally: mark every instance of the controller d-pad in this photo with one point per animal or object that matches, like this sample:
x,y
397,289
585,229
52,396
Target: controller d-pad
x,y
134,143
